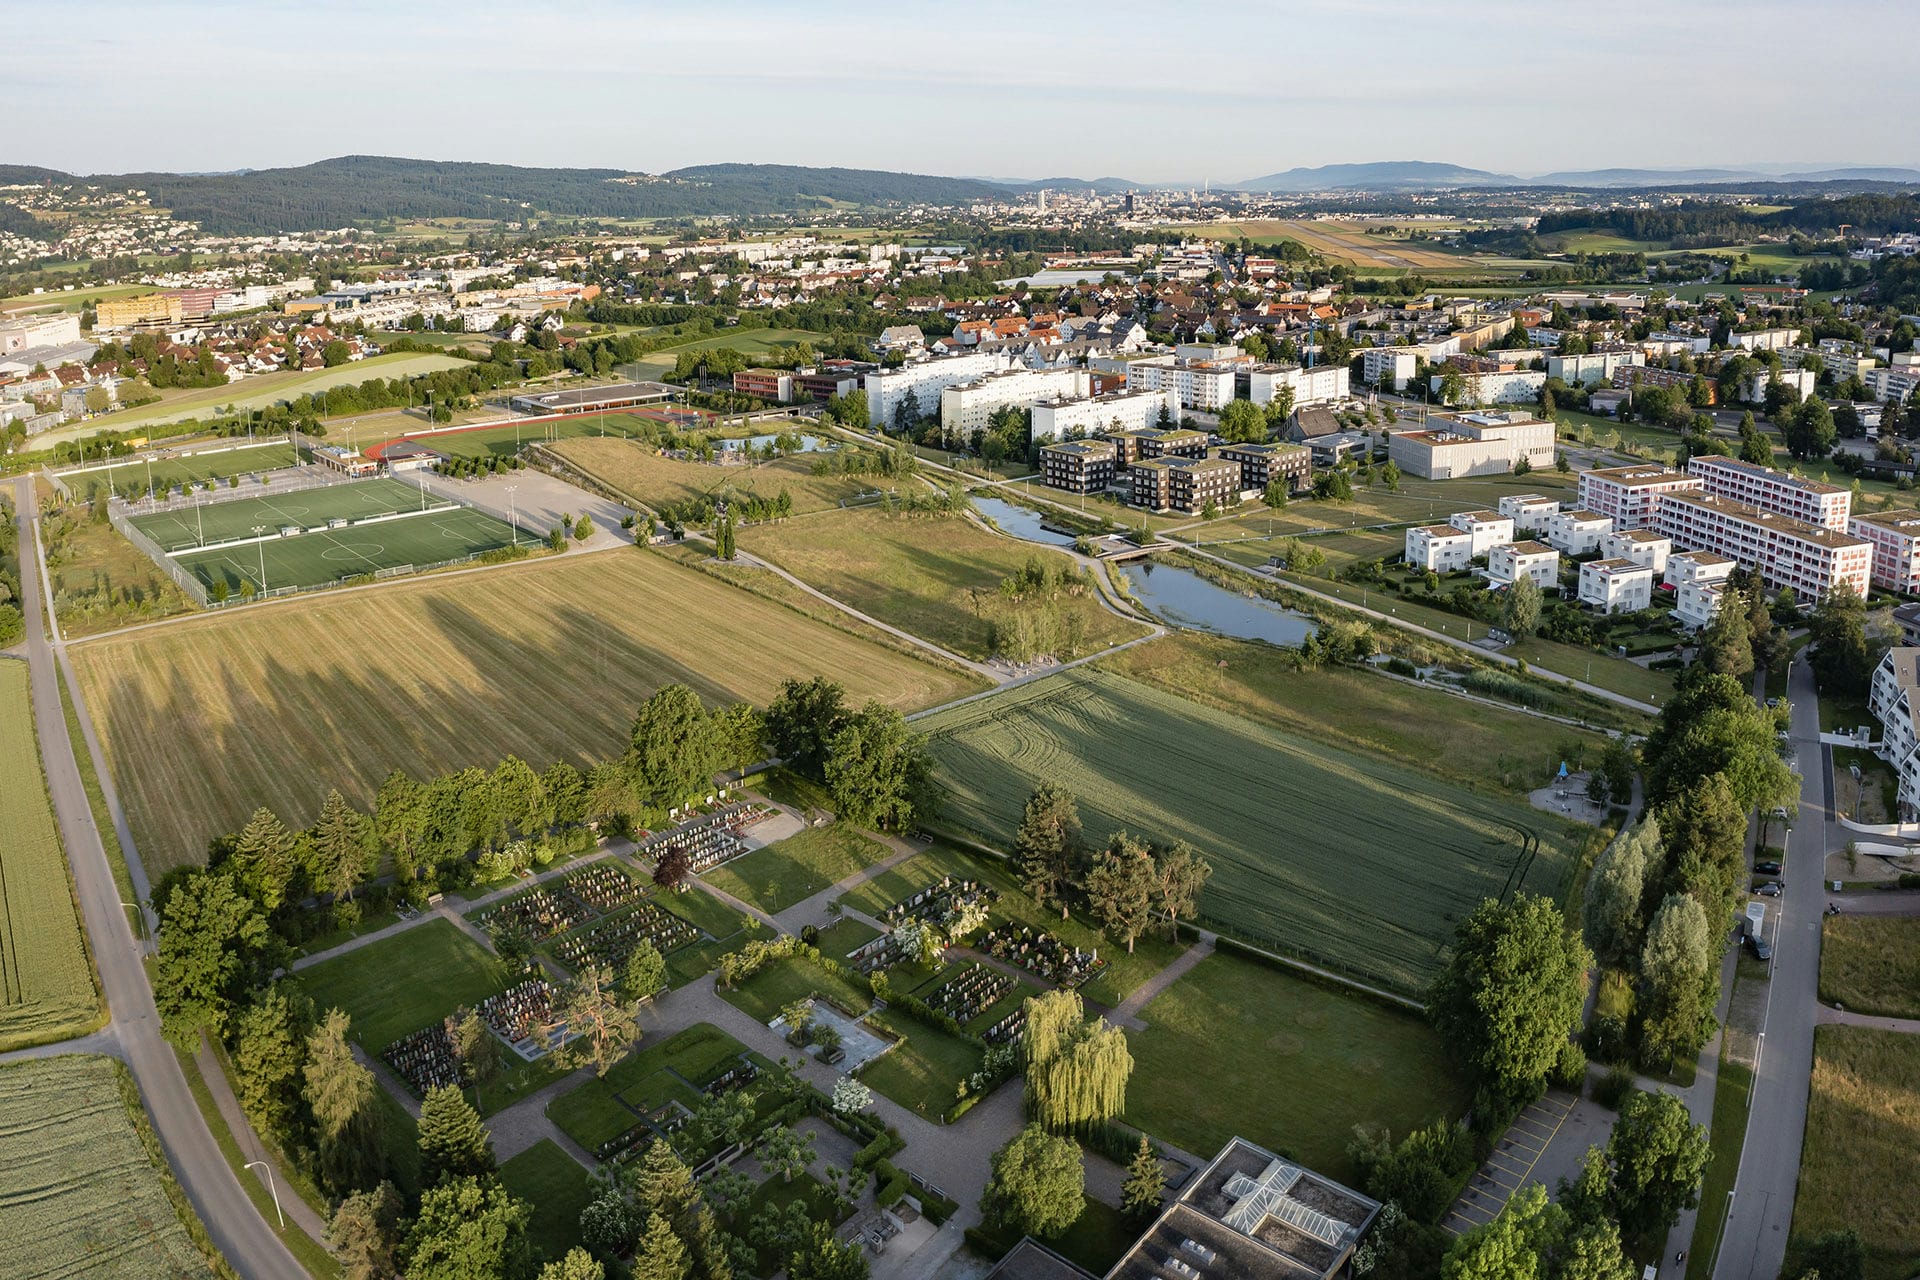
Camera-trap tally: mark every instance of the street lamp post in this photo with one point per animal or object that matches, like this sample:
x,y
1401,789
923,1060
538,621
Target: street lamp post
x,y
260,532
262,1164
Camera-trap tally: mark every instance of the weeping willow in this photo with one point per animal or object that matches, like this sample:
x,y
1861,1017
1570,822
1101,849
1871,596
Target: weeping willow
x,y
1076,1069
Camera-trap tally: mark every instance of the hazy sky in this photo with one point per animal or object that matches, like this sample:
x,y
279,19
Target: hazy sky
x,y
1151,92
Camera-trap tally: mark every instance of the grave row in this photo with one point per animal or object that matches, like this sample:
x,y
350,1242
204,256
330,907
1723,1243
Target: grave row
x,y
938,900
971,992
1042,954
610,942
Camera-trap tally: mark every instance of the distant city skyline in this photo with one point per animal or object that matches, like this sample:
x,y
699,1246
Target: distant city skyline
x,y
1135,91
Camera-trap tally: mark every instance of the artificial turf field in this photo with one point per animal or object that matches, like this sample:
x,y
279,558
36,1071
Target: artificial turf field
x,y
1344,860
215,462
391,524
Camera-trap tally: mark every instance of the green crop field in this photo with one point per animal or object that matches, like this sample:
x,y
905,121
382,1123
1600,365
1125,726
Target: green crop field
x,y
648,479
81,1192
1357,863
390,524
505,441
168,471
46,983
748,342
207,718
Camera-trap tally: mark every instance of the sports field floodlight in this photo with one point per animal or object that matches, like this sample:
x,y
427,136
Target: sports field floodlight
x,y
260,532
513,513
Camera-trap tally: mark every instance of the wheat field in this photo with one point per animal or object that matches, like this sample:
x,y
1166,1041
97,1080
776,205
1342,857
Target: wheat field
x,y
205,719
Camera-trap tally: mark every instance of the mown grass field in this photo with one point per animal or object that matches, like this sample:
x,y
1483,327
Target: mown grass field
x,y
405,982
776,877
208,718
748,342
1477,746
46,982
1305,1064
558,1189
1350,861
80,1193
1871,964
504,441
1863,1126
937,576
216,462
273,388
634,469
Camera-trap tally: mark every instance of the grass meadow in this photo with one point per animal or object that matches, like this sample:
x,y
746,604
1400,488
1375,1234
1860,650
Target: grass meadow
x,y
776,877
557,1188
1346,860
216,462
274,388
1871,964
649,479
936,576
1863,1125
46,981
208,718
1306,1064
83,1191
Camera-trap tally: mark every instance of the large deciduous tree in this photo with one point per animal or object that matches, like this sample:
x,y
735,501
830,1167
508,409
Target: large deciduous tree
x,y
675,748
879,770
802,719
1037,1185
1121,886
1613,914
1679,982
1511,994
211,939
1659,1156
467,1228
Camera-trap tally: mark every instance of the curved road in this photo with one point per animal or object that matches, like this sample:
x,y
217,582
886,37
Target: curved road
x,y
238,1230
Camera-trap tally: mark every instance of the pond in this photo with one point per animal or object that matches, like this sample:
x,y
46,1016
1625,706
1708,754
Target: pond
x,y
808,444
1182,598
1020,522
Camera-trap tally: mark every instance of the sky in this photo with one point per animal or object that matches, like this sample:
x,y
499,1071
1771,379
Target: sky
x,y
1153,93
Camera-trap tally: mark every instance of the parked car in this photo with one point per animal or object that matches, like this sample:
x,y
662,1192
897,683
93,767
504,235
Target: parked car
x,y
1766,868
1771,889
1762,949
1779,815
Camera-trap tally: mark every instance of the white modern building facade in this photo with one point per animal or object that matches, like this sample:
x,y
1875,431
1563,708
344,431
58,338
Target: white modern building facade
x,y
967,406
1811,501
1486,529
923,381
1628,495
1616,586
1130,410
1439,547
1512,561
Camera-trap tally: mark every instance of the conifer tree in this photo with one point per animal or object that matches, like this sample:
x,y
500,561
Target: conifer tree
x,y
453,1142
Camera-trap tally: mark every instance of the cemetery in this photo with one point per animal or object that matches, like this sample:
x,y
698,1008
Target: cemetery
x,y
608,942
705,840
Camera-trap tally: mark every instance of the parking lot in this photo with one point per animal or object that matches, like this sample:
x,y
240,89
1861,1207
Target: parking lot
x,y
1514,1161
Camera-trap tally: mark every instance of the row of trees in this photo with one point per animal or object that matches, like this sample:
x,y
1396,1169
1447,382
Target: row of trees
x,y
1127,885
876,767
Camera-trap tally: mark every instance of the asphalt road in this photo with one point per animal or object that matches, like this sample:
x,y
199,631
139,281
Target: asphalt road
x,y
1762,1213
239,1231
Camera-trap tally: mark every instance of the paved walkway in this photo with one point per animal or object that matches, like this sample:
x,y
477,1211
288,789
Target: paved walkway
x,y
1128,1010
1847,1018
252,1150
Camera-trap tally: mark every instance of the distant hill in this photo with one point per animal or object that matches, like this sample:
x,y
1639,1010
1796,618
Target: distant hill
x,y
1385,175
355,190
1105,186
13,175
1662,177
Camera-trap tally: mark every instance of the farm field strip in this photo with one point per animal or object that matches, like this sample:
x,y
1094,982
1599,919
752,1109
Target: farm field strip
x,y
79,1194
46,982
208,718
1356,863
1856,1168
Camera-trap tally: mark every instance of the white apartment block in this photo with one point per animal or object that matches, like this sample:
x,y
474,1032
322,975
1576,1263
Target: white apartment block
x,y
1592,368
1895,536
1129,410
967,406
1808,560
1439,547
1453,445
924,380
1616,586
27,332
1577,532
1512,561
1764,340
1487,529
1754,389
1397,362
1897,383
1518,386
1309,386
1642,546
1695,603
1195,384
1628,495
1529,511
1826,505
1697,568
1894,700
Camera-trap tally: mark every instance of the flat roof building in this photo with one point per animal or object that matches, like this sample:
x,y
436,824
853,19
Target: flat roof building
x,y
1184,484
1808,560
1077,466
1895,536
619,395
1488,529
1512,561
1811,501
1616,586
1644,547
1439,548
1628,495
1577,532
1261,464
1529,511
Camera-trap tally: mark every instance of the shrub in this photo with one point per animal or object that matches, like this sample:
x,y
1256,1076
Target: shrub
x,y
1570,1072
1613,1088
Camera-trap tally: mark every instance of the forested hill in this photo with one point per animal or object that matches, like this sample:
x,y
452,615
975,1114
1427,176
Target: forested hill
x,y
1711,221
357,190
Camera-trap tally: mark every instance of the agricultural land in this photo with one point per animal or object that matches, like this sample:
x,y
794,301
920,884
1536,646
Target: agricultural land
x,y
47,990
1337,858
1863,1124
208,718
937,576
650,479
84,1188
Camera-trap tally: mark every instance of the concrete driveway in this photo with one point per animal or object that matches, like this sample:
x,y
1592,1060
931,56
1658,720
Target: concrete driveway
x,y
538,502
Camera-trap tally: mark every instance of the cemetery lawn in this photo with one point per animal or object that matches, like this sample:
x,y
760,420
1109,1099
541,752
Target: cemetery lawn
x,y
1113,984
839,940
207,718
794,978
591,1114
1871,964
923,1072
697,1054
1863,1123
776,877
936,576
1310,1063
558,1189
1346,860
381,986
